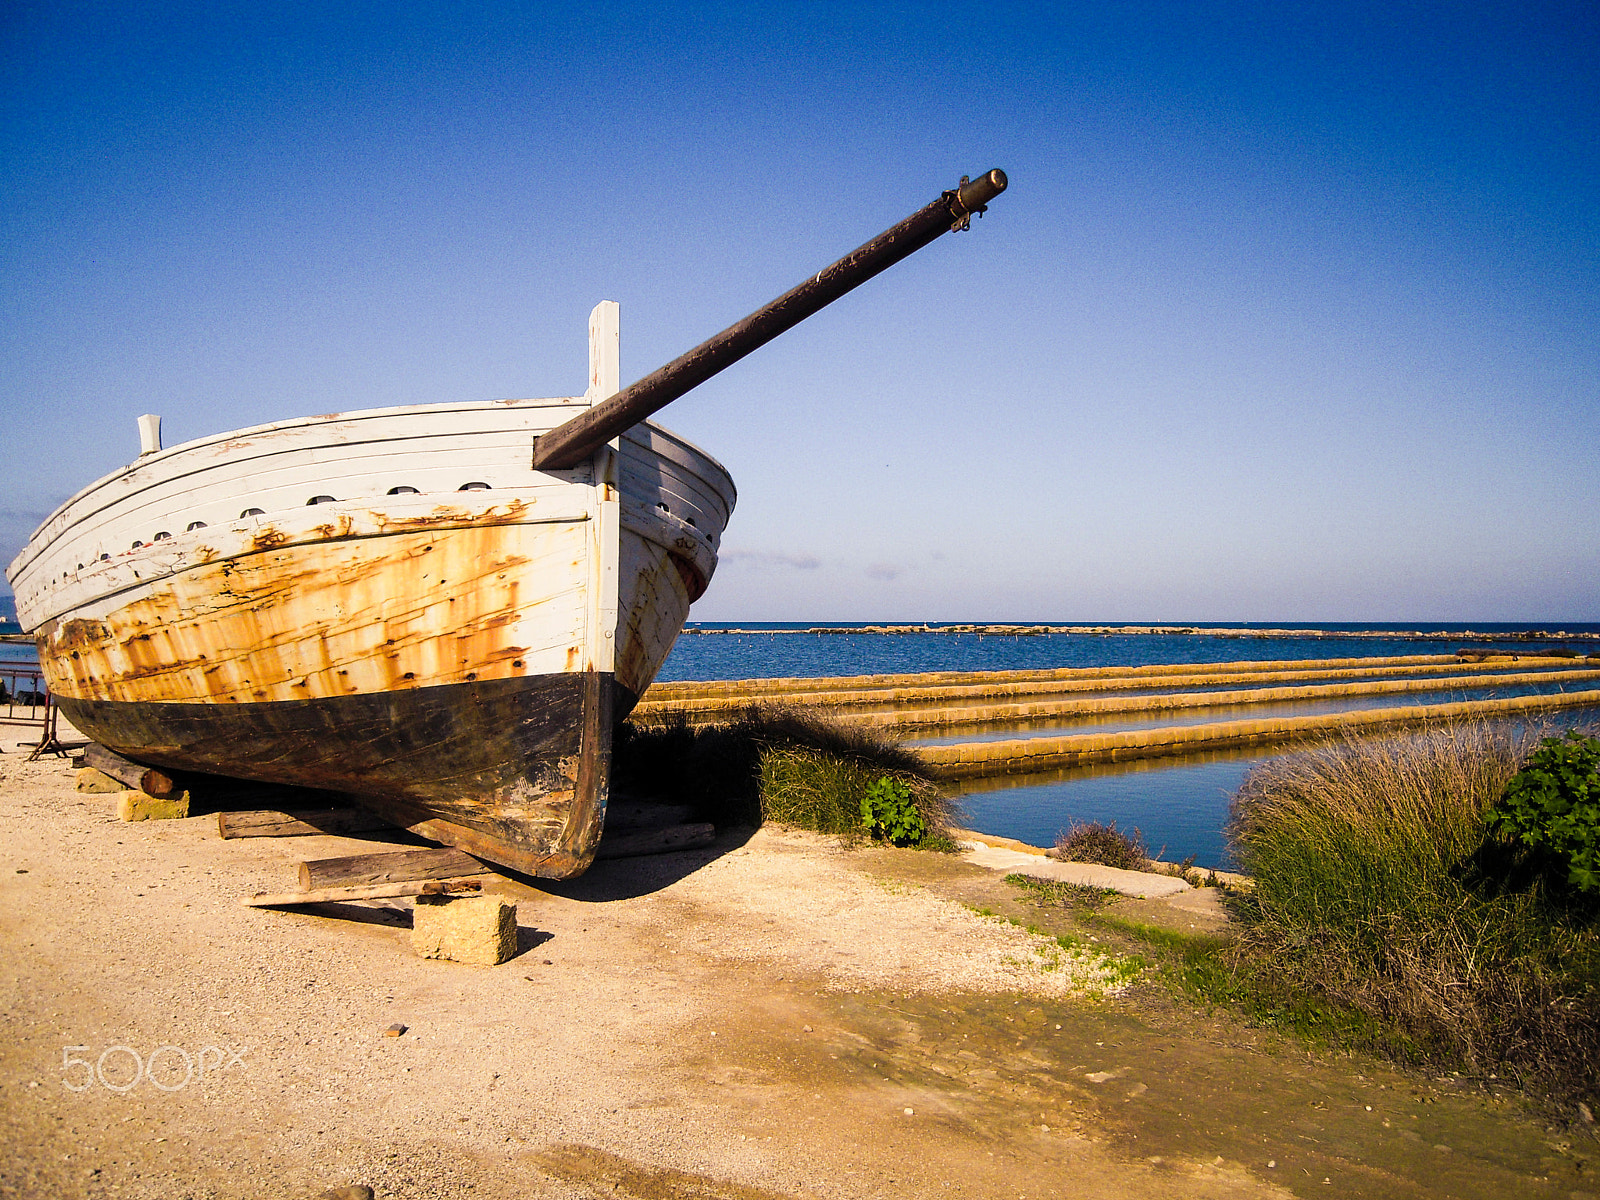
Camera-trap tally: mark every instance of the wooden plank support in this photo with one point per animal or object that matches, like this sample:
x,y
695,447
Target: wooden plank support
x,y
657,841
152,781
361,870
268,823
374,891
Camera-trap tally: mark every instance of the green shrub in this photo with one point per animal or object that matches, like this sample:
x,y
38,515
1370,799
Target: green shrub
x,y
836,794
1370,900
813,790
1551,807
889,812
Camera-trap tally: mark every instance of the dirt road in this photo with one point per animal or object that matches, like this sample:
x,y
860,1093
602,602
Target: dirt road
x,y
774,1017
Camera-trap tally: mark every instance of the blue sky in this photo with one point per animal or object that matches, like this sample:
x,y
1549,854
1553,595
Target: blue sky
x,y
1292,312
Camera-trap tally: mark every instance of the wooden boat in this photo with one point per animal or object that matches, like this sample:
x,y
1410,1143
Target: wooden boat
x,y
441,610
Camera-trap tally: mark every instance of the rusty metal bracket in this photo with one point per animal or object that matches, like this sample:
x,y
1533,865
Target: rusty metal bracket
x,y
964,222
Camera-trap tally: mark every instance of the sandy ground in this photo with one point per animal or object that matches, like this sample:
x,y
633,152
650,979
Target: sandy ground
x,y
773,1017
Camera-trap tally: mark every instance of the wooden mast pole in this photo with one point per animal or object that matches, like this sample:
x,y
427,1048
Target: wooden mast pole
x,y
573,442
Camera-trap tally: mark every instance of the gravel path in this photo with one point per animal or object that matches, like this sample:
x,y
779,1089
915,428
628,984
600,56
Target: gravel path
x,y
773,1017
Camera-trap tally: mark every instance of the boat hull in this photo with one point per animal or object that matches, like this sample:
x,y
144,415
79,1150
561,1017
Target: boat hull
x,y
512,770
391,604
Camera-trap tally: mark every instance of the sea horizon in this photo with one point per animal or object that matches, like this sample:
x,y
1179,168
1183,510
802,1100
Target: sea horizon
x,y
778,649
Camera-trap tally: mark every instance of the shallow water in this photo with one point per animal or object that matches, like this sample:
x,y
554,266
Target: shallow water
x,y
1179,809
1178,803
1162,718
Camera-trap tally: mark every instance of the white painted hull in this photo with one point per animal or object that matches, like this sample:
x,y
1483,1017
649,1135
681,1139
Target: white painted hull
x,y
283,583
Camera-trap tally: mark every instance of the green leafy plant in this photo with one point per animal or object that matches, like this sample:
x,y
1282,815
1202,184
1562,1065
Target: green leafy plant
x,y
888,811
1552,807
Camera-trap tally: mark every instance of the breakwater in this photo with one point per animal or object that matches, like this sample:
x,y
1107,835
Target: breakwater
x,y
945,700
905,704
1024,756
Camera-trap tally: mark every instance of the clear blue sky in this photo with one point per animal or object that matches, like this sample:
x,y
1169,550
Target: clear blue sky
x,y
1292,312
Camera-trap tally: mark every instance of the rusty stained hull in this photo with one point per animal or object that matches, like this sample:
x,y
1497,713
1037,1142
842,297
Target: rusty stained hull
x,y
454,661
510,770
438,675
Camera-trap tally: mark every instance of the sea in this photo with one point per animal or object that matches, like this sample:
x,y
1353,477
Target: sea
x,y
1178,807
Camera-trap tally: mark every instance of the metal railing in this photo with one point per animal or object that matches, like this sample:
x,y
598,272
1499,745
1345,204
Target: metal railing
x,y
24,696
25,699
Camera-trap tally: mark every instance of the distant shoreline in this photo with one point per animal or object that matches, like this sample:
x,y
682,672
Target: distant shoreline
x,y
1007,630
1525,635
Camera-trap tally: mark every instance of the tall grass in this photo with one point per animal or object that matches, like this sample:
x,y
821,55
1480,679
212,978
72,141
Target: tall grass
x,y
1376,889
774,763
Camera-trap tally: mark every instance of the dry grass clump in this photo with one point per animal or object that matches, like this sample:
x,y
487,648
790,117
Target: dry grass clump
x,y
1092,842
774,763
1377,889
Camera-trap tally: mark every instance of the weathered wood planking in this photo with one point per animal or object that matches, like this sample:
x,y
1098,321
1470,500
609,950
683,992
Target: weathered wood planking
x,y
141,778
671,504
270,823
363,870
376,891
521,743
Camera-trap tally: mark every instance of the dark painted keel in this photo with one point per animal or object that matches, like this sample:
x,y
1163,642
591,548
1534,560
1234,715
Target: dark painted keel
x,y
514,771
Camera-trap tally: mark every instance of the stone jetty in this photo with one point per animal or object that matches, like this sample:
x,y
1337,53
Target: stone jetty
x,y
1047,702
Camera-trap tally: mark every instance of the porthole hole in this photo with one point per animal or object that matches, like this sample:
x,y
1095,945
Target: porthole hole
x,y
161,537
320,500
473,487
402,491
193,525
250,512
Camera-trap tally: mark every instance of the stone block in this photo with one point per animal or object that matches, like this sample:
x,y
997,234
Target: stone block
x,y
91,779
137,806
465,929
